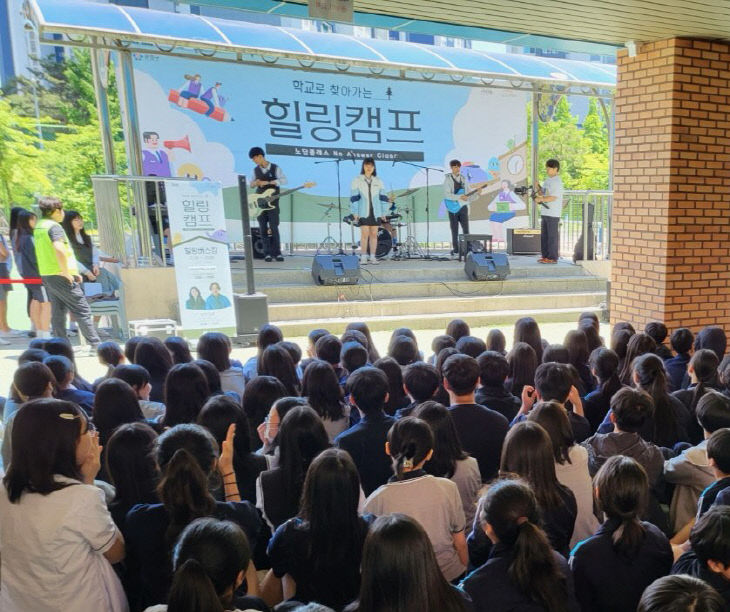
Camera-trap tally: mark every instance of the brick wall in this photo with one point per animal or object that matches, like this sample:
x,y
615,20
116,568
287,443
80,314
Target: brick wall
x,y
671,232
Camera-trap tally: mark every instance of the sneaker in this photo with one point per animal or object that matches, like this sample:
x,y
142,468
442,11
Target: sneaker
x,y
11,333
375,261
4,342
267,258
279,258
550,261
71,333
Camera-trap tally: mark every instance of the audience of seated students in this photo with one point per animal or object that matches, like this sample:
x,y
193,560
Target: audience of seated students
x,y
216,348
493,372
449,459
397,398
690,472
554,382
718,456
210,561
713,338
61,346
470,345
130,348
620,344
421,382
323,393
187,455
571,465
268,431
130,465
441,395
276,361
497,342
457,329
268,335
528,454
296,355
523,572
365,441
213,378
522,365
680,593
658,332
604,365
702,371
612,568
63,372
400,571
527,330
709,555
363,328
139,379
481,430
179,349
217,415
353,357
577,345
557,353
109,354
638,345
438,344
57,536
589,324
301,438
312,338
404,350
316,555
353,335
329,349
259,396
186,390
152,355
434,502
681,341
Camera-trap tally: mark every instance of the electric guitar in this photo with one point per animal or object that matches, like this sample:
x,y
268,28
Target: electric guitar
x,y
454,206
261,202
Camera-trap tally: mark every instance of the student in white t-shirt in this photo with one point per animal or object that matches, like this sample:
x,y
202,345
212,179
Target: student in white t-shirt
x,y
57,537
551,208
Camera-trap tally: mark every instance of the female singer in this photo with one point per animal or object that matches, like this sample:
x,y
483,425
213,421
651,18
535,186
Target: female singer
x,y
369,206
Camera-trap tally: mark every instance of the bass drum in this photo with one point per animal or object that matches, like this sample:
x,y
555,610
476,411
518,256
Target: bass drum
x,y
385,243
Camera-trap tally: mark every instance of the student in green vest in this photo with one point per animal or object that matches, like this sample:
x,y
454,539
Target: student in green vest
x,y
59,272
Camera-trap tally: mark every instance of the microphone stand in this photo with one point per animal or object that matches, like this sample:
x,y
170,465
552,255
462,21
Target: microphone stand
x,y
337,161
428,200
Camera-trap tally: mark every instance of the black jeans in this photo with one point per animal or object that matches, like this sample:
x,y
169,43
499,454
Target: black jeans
x,y
269,220
549,237
461,217
65,297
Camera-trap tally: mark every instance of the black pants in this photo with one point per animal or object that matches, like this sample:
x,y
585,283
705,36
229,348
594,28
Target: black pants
x,y
461,217
65,297
549,237
269,221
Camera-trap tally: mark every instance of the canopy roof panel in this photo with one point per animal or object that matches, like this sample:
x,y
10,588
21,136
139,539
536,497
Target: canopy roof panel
x,y
142,30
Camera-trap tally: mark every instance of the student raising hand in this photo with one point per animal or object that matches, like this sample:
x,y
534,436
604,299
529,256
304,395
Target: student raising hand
x,y
88,455
225,466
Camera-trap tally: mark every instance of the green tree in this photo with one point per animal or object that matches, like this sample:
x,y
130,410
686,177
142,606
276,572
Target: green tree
x,y
594,129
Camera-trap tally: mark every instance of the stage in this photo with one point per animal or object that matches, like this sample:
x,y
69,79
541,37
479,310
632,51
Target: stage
x,y
422,294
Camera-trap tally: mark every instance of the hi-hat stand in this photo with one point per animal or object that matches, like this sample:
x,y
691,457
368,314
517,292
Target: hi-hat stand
x,y
409,248
329,243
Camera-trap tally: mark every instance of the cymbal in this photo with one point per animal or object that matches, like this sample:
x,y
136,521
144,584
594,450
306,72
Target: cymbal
x,y
330,205
408,192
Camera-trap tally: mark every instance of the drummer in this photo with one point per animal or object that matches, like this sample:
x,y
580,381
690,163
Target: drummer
x,y
368,204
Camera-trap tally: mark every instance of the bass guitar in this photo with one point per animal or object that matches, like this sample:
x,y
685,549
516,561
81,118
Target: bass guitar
x,y
261,202
454,206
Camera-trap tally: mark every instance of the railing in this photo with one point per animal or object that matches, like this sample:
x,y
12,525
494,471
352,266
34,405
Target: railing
x,y
585,226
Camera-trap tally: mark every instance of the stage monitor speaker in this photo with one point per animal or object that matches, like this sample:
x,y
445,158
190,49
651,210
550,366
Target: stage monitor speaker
x,y
486,266
523,241
336,269
252,312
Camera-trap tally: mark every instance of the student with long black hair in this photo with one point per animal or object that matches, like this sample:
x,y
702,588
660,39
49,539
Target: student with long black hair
x,y
179,349
702,370
57,537
188,460
364,329
276,361
523,362
260,394
620,345
186,390
216,348
434,502
528,453
39,306
577,345
268,335
449,459
638,345
496,341
324,394
316,555
591,330
152,355
210,561
604,365
400,572
301,438
625,552
527,330
523,572
397,397
457,329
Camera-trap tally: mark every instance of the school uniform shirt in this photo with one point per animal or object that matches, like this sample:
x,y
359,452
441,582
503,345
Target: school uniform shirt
x,y
709,495
481,432
53,552
498,399
271,500
723,498
694,429
402,413
290,553
676,368
335,428
77,396
689,564
433,502
596,406
559,521
691,474
149,568
233,381
365,442
250,368
575,475
469,482
157,390
492,590
606,581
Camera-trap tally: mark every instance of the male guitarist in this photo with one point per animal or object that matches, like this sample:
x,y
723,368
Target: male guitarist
x,y
456,188
267,175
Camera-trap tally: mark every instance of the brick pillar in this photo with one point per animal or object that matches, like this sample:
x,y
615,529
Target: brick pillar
x,y
671,212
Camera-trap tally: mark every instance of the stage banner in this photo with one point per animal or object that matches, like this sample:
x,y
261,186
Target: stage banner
x,y
200,253
199,119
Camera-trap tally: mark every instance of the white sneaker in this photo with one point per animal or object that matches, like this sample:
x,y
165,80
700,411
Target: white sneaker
x,y
363,260
4,342
11,333
375,261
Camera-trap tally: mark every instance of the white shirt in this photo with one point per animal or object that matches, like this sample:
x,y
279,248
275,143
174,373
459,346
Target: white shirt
x,y
53,546
552,186
576,477
234,380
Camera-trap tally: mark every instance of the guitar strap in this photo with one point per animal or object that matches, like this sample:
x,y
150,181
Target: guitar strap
x,y
266,175
459,183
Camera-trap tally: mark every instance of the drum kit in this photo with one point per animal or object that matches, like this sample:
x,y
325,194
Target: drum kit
x,y
389,232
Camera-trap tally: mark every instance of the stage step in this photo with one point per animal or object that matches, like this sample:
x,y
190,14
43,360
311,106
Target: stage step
x,y
439,321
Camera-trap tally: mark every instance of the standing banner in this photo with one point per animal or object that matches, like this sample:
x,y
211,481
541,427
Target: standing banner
x,y
200,252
